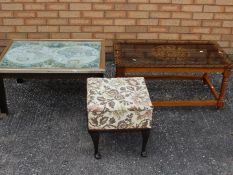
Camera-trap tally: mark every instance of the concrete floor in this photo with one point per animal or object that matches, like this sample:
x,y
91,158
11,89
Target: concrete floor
x,y
46,133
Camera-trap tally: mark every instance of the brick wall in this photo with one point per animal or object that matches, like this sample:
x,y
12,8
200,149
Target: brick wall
x,y
118,19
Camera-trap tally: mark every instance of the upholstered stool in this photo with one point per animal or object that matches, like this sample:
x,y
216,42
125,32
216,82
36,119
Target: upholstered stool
x,y
118,104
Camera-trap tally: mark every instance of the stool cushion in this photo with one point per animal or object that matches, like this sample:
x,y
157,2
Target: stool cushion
x,y
118,103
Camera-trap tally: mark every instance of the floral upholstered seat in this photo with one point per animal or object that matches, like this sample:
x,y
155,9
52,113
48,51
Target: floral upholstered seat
x,y
118,103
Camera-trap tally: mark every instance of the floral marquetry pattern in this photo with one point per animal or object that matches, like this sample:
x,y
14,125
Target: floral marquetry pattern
x,y
118,103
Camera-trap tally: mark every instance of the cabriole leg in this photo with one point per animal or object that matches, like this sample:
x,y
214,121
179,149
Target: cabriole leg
x,y
95,138
145,137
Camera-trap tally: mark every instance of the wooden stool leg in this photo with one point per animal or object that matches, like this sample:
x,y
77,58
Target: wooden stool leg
x,y
95,138
19,80
145,137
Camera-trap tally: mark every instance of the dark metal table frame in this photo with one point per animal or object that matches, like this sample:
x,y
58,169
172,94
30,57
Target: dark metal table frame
x,y
218,101
47,73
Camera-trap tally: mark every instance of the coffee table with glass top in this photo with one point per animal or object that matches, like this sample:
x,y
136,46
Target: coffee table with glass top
x,y
43,59
179,57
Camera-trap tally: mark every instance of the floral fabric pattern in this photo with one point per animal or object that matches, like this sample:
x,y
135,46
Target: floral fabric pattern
x,y
118,103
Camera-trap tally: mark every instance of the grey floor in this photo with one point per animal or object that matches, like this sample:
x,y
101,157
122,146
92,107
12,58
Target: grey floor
x,y
46,133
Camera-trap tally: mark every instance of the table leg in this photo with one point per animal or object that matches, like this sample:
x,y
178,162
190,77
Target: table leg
x,y
145,137
3,104
19,80
95,138
226,75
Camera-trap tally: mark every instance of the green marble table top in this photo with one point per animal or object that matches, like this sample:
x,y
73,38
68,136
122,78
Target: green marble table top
x,y
52,54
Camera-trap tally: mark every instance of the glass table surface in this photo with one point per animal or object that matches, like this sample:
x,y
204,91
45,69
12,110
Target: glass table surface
x,y
52,54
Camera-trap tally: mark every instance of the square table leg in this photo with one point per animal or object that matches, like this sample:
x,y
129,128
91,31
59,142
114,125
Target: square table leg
x,y
3,104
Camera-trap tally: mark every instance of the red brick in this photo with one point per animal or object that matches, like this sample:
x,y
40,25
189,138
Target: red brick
x,y
47,14
160,1
38,35
103,6
26,29
57,21
137,14
227,37
169,36
200,30
224,2
81,35
203,16
138,1
147,22
104,35
80,21
35,21
80,6
34,6
227,24
57,6
179,29
157,29
221,30
12,6
213,8
192,8
92,28
6,14
204,1
183,15
115,14
13,21
169,22
223,16
48,29
60,35
211,23
125,21
136,28
16,35
182,1
69,14
169,7
102,22
126,36
93,14
147,36
228,8
147,7
114,29
70,29
24,14
160,14
7,28
125,7
190,36
210,37
115,1
49,0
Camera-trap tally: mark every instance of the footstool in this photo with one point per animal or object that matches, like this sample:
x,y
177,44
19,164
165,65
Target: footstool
x,y
118,104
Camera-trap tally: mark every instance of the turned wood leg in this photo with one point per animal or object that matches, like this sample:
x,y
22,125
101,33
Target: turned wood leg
x,y
95,138
3,104
204,77
226,75
19,80
145,137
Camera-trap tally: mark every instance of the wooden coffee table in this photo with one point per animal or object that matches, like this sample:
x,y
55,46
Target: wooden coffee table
x,y
50,59
175,57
